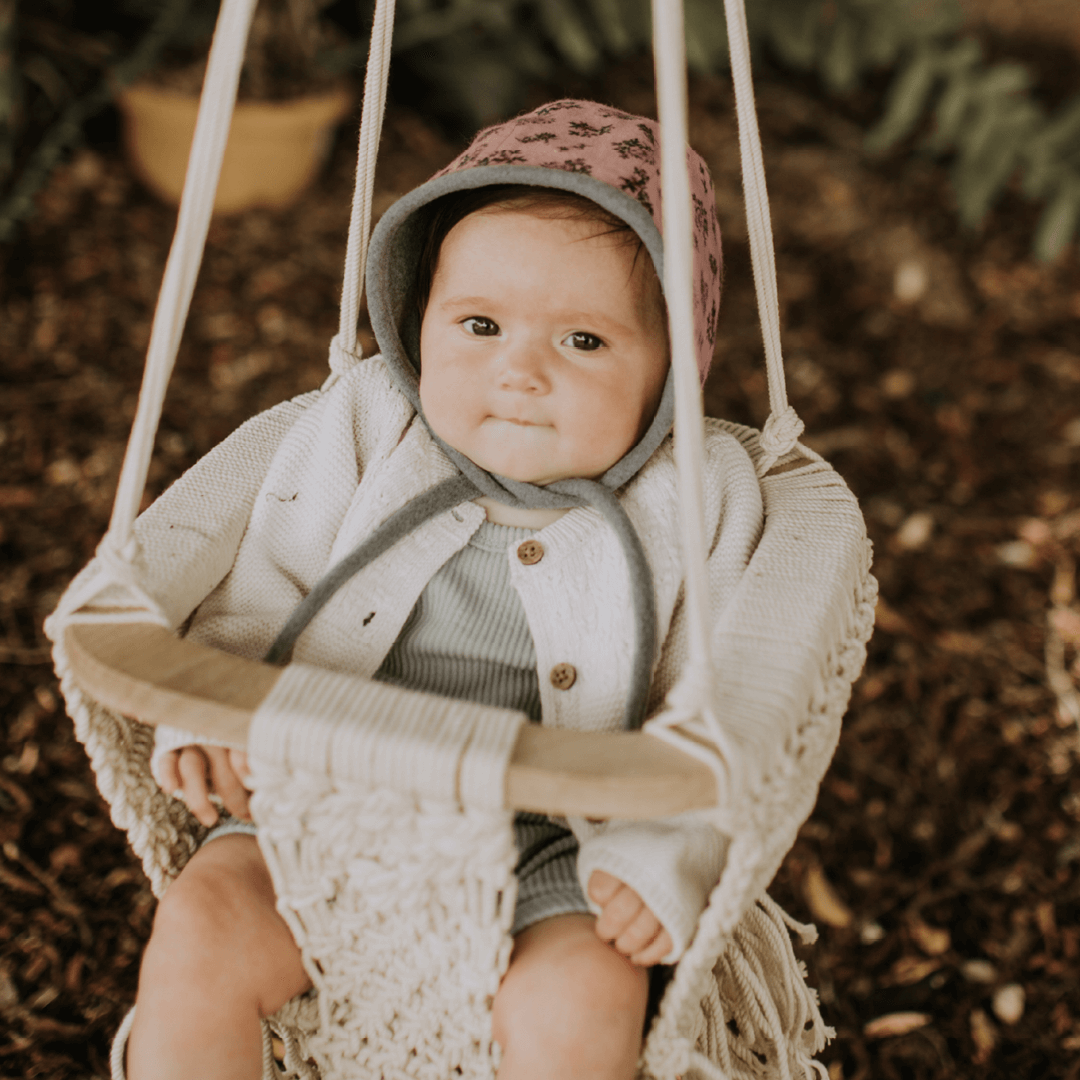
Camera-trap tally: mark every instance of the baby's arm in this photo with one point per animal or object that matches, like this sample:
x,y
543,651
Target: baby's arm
x,y
194,773
630,927
670,864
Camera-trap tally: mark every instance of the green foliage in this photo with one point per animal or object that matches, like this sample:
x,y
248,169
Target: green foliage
x,y
9,87
982,116
477,57
985,117
843,40
66,129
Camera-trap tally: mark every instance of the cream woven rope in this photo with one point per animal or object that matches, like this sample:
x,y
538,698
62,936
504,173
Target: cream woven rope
x,y
783,426
670,52
185,256
373,734
693,697
371,120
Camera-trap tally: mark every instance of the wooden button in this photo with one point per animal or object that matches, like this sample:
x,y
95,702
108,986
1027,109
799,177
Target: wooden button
x,y
530,551
563,676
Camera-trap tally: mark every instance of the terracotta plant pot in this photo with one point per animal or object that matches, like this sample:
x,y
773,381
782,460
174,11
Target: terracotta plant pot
x,y
275,148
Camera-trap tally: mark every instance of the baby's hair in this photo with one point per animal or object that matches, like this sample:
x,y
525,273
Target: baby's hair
x,y
551,203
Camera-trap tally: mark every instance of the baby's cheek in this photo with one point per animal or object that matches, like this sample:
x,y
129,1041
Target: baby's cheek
x,y
460,428
604,435
434,403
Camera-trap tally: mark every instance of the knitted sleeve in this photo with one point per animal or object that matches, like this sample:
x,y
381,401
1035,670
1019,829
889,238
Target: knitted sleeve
x,y
674,863
321,451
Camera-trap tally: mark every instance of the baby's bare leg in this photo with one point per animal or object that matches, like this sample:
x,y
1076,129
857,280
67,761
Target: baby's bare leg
x,y
219,959
569,1006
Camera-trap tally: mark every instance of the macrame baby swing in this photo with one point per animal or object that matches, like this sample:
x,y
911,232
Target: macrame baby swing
x,y
385,815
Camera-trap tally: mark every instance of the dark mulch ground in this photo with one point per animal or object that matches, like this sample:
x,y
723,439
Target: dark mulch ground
x,y
940,372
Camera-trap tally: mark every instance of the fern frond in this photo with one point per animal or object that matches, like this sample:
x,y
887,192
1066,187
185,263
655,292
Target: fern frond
x,y
840,59
569,35
1059,221
906,101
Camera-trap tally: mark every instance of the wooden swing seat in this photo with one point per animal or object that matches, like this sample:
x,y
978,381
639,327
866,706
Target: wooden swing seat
x,y
145,672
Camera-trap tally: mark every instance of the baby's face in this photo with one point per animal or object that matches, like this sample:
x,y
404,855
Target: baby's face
x,y
543,349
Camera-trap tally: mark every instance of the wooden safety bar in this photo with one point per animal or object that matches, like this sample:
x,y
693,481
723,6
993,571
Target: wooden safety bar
x,y
143,671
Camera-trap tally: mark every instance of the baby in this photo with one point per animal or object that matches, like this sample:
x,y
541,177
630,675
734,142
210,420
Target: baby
x,y
524,369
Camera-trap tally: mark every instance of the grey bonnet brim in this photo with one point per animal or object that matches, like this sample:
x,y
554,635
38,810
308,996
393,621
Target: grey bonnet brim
x,y
393,256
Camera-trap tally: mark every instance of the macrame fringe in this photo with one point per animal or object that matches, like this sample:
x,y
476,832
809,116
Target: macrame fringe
x,y
295,1024
757,1017
760,1004
750,1015
402,909
161,830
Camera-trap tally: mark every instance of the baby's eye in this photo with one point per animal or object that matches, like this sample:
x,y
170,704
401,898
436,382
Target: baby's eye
x,y
480,327
583,341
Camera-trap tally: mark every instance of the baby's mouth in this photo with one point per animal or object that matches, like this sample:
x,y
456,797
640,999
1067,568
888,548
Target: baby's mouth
x,y
518,422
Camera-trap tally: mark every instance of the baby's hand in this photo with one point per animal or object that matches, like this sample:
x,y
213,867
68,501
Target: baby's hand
x,y
626,922
193,773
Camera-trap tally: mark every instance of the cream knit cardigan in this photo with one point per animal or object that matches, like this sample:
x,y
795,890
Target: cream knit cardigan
x,y
358,454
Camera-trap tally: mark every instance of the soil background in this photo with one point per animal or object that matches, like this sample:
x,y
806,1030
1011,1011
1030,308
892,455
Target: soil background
x,y
939,372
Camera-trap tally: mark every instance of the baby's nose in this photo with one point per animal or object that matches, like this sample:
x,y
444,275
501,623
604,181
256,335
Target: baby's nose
x,y
523,368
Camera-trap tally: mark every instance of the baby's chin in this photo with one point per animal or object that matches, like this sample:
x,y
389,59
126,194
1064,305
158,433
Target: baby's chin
x,y
540,472
523,473
527,453
518,451
524,468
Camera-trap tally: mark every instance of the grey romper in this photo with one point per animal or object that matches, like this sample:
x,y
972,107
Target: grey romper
x,y
467,638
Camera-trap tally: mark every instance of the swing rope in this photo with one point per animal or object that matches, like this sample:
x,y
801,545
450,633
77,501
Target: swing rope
x,y
693,697
185,257
783,426
376,78
118,548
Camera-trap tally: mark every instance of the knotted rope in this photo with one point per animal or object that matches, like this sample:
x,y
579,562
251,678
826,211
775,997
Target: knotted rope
x,y
185,257
376,78
783,426
119,547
